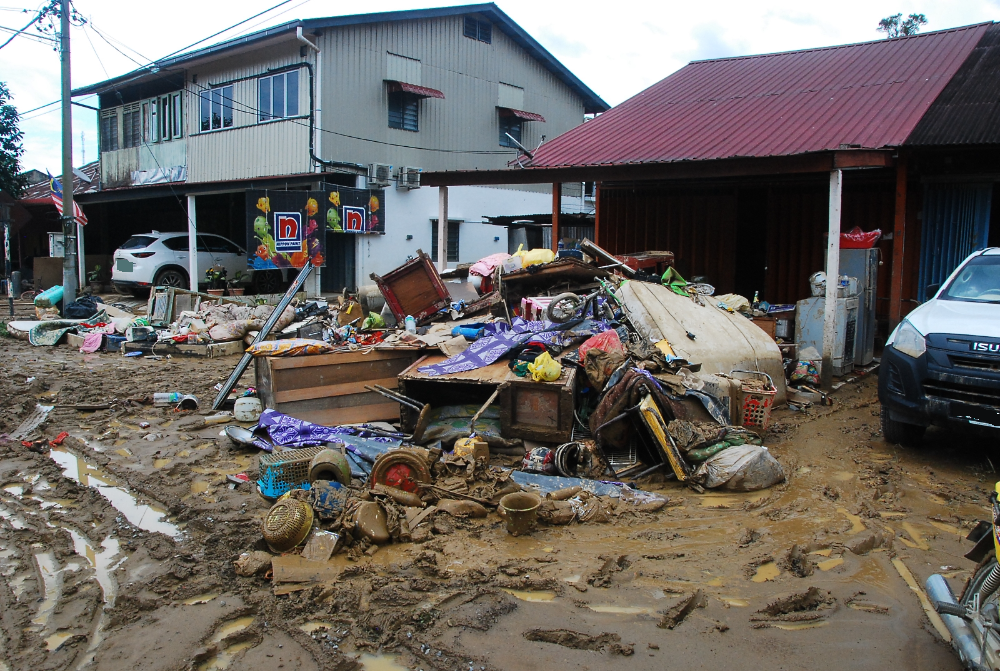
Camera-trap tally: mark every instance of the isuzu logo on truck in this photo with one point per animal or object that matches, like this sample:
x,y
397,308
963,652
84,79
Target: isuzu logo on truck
x,y
986,347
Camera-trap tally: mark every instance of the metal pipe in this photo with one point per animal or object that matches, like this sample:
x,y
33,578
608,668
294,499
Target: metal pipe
x,y
962,638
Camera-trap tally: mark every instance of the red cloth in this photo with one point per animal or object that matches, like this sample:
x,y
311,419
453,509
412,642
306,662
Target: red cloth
x,y
607,341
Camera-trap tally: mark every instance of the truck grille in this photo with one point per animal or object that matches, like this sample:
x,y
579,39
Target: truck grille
x,y
978,364
962,392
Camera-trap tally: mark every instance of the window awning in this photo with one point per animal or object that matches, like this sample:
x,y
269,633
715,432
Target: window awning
x,y
521,114
422,91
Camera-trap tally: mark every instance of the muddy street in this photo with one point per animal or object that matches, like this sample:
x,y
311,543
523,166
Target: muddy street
x,y
118,546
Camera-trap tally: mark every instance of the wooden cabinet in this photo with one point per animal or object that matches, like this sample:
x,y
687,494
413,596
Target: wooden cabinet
x,y
329,389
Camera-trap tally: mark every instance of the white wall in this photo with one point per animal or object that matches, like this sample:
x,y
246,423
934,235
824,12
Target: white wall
x,y
411,212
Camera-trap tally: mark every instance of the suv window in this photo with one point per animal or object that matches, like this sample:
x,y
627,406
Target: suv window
x,y
977,282
178,244
221,245
138,242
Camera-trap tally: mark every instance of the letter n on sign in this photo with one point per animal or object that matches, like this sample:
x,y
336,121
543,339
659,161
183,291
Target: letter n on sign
x,y
354,219
288,231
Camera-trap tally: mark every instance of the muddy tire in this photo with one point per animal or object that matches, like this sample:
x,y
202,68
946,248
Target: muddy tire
x,y
900,433
563,307
978,576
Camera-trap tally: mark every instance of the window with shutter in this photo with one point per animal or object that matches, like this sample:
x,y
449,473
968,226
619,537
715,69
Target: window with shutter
x,y
132,126
453,228
404,111
476,29
109,130
510,125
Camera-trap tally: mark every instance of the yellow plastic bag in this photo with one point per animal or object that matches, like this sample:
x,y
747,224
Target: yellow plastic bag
x,y
535,256
544,368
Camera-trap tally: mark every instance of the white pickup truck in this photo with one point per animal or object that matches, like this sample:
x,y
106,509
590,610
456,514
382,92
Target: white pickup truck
x,y
941,365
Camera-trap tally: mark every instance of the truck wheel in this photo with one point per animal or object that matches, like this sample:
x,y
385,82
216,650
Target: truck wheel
x,y
267,281
900,433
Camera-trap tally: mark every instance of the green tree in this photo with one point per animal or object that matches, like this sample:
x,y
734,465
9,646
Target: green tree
x,y
11,148
895,26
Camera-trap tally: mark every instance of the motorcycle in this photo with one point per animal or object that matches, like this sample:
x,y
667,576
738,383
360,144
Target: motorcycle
x,y
973,618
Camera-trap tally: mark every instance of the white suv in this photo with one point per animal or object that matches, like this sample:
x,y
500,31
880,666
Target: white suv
x,y
161,259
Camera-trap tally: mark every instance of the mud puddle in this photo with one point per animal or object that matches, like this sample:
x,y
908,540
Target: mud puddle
x,y
148,517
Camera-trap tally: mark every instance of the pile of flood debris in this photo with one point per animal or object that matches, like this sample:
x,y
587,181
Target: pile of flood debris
x,y
547,395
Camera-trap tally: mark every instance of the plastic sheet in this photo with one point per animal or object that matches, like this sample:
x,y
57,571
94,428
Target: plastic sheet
x,y
744,468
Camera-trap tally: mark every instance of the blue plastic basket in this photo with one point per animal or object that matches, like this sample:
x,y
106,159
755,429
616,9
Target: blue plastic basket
x,y
113,343
281,472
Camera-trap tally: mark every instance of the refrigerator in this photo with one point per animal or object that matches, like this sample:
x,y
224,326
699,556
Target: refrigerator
x,y
863,265
809,315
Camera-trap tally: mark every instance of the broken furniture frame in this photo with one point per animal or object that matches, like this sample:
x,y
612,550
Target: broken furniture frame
x,y
414,289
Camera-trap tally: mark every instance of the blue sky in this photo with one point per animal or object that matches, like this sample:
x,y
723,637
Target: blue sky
x,y
616,48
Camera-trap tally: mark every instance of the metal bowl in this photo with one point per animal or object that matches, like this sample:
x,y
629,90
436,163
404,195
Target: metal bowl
x,y
287,524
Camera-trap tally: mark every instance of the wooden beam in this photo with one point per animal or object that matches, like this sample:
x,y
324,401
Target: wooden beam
x,y
556,211
898,246
817,162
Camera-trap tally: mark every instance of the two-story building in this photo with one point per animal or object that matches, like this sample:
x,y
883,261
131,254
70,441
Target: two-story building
x,y
368,100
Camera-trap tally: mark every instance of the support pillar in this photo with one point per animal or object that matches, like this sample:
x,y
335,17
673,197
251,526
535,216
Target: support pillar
x,y
898,247
81,255
442,228
192,244
832,279
556,210
597,213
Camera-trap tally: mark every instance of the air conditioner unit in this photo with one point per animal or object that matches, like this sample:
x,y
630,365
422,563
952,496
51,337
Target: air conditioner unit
x,y
379,174
409,178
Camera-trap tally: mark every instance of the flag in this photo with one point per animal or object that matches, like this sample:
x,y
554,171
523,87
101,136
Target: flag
x,y
57,199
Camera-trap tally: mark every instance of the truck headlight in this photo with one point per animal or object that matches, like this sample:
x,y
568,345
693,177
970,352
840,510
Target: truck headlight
x,y
908,340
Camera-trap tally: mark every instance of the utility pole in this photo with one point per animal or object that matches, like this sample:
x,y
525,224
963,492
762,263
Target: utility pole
x,y
68,220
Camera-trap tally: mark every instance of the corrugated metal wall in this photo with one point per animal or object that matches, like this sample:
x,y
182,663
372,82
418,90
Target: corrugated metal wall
x,y
956,223
467,71
249,149
697,224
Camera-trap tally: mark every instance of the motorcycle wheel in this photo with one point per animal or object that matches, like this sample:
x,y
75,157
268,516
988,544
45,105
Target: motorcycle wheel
x,y
972,588
973,584
563,307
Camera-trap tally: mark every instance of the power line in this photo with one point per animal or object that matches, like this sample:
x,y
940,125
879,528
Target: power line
x,y
284,2
243,107
38,15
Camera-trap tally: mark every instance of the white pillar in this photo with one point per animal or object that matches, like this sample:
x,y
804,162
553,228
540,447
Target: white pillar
x,y
832,279
82,265
192,243
442,228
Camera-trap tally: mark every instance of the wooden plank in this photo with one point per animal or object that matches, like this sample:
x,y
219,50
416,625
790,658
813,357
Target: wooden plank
x,y
332,390
290,587
293,568
336,358
495,373
556,211
349,415
326,375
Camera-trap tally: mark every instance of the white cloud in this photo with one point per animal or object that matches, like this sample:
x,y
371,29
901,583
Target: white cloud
x,y
615,48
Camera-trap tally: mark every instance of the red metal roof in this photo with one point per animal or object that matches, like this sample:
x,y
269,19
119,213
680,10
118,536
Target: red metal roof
x,y
868,95
422,91
40,194
521,114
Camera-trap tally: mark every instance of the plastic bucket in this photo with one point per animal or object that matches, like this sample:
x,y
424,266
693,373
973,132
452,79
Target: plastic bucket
x,y
520,511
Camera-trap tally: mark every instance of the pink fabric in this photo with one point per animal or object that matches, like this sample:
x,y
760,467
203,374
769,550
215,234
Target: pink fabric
x,y
92,342
484,267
